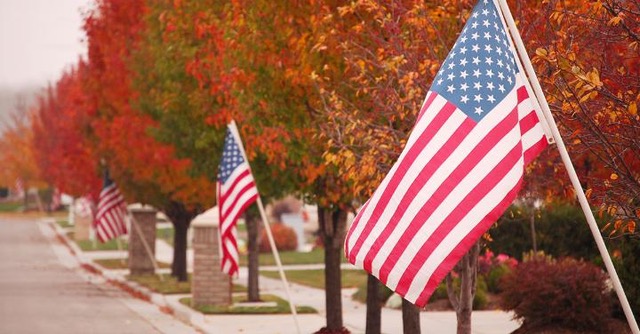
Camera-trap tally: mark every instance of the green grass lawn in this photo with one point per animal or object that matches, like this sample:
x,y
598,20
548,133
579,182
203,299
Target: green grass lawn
x,y
165,234
89,245
64,223
123,263
315,256
282,307
315,278
169,285
10,206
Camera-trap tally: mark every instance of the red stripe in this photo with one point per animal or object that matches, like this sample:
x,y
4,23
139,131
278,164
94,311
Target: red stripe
x,y
457,175
419,181
528,122
471,200
426,106
228,207
465,244
433,127
351,229
229,189
535,149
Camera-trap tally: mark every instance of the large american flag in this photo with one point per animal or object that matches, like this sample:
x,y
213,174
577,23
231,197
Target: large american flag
x,y
461,168
111,212
236,190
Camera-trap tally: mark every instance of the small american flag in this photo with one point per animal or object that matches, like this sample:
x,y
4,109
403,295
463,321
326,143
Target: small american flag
x,y
461,168
19,187
236,190
110,219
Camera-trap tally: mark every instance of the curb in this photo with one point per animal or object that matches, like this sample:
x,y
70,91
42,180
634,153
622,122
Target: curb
x,y
166,305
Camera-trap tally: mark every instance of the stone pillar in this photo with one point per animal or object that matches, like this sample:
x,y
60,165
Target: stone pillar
x,y
209,285
82,227
139,261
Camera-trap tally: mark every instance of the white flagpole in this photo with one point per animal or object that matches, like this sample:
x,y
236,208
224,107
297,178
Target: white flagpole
x,y
263,215
582,198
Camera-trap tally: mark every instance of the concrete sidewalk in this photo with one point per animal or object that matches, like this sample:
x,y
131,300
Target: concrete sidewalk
x,y
354,313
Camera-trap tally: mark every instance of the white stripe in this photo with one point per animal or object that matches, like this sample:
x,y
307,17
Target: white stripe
x,y
244,198
241,183
455,197
462,229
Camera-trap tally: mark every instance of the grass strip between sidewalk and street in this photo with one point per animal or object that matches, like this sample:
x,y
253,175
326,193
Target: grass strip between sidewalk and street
x,y
315,256
169,285
281,307
351,278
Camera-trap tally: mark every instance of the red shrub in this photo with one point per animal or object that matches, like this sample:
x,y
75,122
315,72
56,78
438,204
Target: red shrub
x,y
565,293
283,235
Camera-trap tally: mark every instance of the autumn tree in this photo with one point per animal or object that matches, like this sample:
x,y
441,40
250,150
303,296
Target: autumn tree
x,y
587,58
60,123
145,168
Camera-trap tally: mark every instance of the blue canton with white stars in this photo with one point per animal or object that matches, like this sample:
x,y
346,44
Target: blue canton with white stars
x,y
480,69
231,158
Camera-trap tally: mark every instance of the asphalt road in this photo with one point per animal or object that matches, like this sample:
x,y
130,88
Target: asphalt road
x,y
43,290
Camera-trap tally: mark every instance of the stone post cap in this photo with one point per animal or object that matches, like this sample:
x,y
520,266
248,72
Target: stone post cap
x,y
141,208
208,218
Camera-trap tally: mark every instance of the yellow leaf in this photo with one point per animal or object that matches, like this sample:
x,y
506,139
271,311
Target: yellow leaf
x,y
614,176
633,108
588,192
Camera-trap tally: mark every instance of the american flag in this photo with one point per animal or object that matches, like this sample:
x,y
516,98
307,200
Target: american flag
x,y
56,199
110,219
236,190
19,187
461,168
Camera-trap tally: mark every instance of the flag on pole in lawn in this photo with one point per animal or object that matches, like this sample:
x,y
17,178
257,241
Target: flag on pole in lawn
x,y
56,200
110,219
461,168
236,190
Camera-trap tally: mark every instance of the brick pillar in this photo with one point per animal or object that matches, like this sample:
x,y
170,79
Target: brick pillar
x,y
209,285
139,261
82,227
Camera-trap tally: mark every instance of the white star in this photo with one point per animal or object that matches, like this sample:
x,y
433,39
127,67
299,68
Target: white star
x,y
474,25
478,111
463,74
439,81
487,35
463,39
500,75
476,60
490,86
451,65
491,99
464,99
464,86
489,73
501,88
463,50
499,63
477,98
488,60
463,61
488,48
499,51
477,85
485,23
475,36
485,12
476,73
451,76
450,89
475,48
509,79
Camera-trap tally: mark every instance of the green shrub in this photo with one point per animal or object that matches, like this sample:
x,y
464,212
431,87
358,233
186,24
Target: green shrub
x,y
495,276
480,299
568,293
284,237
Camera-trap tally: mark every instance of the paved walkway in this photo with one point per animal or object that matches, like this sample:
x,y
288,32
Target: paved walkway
x,y
44,290
354,313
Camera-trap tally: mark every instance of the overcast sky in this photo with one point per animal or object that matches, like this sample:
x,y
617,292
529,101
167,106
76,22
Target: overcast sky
x,y
39,39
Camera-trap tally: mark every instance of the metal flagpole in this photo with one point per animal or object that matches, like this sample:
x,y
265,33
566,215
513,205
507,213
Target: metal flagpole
x,y
147,248
263,215
582,198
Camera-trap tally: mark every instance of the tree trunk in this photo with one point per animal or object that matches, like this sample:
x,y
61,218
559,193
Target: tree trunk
x,y
181,219
253,287
374,306
333,224
410,318
467,269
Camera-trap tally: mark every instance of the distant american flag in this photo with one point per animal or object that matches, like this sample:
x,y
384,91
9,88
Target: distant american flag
x,y
236,190
461,168
112,210
19,187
